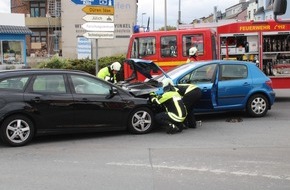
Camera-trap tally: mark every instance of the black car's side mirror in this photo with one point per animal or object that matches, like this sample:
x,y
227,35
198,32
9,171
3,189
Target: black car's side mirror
x,y
112,93
279,8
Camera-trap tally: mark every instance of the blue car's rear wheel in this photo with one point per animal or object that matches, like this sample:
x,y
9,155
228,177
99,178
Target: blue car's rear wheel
x,y
257,105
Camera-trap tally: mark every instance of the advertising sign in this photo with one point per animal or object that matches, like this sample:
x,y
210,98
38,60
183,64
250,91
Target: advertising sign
x,y
84,48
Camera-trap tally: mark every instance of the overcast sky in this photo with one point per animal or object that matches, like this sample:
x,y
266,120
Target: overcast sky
x,y
190,9
4,6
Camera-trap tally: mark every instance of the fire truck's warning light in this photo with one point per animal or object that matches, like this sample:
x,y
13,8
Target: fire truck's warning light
x,y
136,28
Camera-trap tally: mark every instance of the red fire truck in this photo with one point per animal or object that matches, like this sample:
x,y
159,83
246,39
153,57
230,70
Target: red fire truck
x,y
265,43
170,48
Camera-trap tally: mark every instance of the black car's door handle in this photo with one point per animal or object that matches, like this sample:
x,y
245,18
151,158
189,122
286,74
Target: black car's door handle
x,y
36,99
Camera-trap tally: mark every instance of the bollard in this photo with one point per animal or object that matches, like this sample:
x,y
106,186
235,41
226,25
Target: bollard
x,y
199,123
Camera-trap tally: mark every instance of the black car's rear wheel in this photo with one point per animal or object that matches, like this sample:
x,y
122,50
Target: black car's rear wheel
x,y
257,105
141,121
17,130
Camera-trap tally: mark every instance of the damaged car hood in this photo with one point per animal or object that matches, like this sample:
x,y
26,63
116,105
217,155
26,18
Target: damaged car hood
x,y
141,82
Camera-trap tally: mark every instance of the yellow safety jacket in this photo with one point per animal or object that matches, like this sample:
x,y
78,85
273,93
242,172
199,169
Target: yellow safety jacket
x,y
107,74
185,88
172,101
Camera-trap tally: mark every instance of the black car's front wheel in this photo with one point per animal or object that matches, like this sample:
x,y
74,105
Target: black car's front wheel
x,y
17,130
141,121
257,105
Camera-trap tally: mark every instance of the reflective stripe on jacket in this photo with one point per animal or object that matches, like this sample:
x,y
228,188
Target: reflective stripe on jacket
x,y
185,88
173,104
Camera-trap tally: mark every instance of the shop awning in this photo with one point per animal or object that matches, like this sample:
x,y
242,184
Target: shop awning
x,y
14,30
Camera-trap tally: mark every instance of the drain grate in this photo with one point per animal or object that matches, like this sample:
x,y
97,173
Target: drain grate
x,y
234,120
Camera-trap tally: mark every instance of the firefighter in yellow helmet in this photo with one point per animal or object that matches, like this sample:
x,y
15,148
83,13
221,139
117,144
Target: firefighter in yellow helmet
x,y
174,111
109,73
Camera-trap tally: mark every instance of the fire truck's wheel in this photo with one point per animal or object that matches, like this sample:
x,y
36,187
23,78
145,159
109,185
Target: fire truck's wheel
x,y
257,105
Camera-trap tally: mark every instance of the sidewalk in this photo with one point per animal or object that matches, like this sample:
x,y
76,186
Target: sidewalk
x,y
285,93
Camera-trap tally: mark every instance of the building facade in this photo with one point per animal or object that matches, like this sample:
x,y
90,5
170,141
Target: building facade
x,y
43,18
265,10
252,9
13,34
125,14
236,10
57,28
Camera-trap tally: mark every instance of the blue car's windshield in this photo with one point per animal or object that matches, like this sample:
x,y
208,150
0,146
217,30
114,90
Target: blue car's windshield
x,y
174,72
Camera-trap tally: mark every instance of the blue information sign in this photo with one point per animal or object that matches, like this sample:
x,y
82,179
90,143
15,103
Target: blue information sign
x,y
94,2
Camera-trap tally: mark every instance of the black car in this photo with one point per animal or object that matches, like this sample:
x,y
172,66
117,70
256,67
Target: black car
x,y
34,102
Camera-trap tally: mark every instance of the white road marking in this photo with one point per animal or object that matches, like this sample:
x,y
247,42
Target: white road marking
x,y
215,171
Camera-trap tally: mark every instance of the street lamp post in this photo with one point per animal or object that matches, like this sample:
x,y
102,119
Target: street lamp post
x,y
153,15
142,19
179,13
165,16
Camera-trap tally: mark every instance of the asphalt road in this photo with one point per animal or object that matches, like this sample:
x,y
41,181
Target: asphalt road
x,y
222,154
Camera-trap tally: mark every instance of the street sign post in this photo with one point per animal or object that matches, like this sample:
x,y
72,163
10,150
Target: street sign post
x,y
100,21
98,26
99,35
98,10
99,18
94,2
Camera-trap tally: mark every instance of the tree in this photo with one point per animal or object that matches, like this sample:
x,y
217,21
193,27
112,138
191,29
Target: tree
x,y
167,28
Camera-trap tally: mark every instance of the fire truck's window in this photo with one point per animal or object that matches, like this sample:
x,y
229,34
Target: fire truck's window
x,y
143,47
192,40
168,46
203,74
233,72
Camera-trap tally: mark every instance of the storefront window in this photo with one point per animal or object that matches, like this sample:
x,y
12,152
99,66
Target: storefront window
x,y
11,52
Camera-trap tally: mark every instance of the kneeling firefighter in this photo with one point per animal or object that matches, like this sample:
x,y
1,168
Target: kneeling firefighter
x,y
190,95
174,111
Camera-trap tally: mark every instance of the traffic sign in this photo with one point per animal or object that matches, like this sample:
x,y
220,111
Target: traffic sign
x,y
94,2
99,35
98,10
99,18
96,26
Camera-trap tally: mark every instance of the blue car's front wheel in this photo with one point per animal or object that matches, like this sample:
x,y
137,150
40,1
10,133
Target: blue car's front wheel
x,y
257,105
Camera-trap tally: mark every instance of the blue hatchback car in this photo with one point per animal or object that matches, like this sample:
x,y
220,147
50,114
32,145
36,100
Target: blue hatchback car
x,y
226,85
